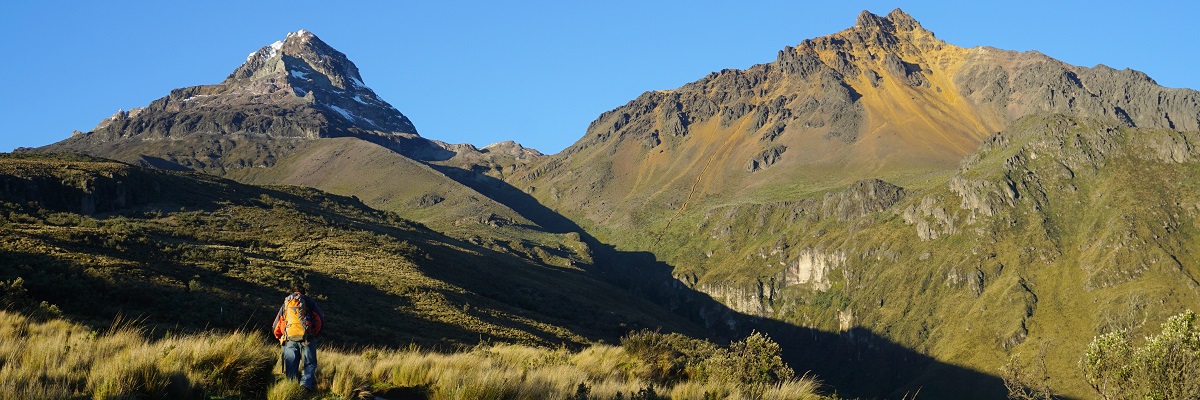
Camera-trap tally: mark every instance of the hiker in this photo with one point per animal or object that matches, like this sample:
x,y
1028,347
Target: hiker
x,y
296,326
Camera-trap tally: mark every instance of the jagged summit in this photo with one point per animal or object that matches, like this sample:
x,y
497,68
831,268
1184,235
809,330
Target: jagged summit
x,y
298,55
296,88
895,20
314,71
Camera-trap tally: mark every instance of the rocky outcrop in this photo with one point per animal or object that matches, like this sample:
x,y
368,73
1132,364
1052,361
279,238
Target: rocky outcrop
x,y
1037,158
861,198
812,268
808,269
766,158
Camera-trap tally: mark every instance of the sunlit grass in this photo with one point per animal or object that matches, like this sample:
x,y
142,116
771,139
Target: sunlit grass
x,y
59,359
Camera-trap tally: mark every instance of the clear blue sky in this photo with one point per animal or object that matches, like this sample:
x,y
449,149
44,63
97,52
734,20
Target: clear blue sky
x,y
483,72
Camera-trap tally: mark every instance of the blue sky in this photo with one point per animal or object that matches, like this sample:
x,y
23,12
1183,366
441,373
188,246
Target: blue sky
x,y
534,72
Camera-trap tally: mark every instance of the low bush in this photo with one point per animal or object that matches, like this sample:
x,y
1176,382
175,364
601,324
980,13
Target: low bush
x,y
1165,366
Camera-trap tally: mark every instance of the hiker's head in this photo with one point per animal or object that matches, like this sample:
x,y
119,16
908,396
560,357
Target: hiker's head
x,y
298,288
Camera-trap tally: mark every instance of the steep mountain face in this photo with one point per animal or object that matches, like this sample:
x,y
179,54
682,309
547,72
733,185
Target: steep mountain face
x,y
884,99
296,89
858,186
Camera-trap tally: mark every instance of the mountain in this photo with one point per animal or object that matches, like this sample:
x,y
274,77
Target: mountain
x,y
297,112
884,99
100,239
975,205
297,88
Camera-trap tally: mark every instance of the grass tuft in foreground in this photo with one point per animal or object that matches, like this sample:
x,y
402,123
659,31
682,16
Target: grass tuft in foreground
x,y
59,359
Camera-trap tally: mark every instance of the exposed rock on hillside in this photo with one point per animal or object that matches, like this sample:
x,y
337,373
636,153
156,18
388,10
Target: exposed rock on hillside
x,y
860,199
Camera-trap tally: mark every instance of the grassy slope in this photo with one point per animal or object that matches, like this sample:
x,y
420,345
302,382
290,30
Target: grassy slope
x,y
382,179
1098,237
191,251
386,180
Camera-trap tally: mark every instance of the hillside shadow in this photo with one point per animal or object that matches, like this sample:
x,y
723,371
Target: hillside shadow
x,y
524,290
857,363
517,200
165,298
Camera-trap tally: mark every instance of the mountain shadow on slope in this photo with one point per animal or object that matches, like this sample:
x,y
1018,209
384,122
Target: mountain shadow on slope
x,y
854,363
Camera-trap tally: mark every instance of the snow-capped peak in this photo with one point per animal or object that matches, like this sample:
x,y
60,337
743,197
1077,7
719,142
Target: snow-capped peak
x,y
300,33
273,50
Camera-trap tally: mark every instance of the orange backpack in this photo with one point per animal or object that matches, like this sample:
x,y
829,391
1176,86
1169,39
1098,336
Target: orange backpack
x,y
295,317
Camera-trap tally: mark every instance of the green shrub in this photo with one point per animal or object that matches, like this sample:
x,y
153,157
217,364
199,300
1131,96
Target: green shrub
x,y
669,357
1166,366
755,360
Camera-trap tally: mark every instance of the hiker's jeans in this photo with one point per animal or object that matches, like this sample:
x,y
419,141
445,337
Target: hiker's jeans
x,y
293,354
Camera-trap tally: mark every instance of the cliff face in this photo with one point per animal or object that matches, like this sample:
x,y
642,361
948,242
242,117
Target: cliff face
x,y
64,187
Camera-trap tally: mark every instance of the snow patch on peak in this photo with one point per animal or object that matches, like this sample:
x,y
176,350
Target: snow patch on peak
x,y
349,116
345,114
272,50
358,82
504,143
299,75
300,34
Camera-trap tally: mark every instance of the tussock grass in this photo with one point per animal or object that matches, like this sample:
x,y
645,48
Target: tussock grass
x,y
59,359
286,390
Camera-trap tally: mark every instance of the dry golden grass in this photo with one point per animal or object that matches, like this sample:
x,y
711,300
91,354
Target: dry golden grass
x,y
59,359
505,371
